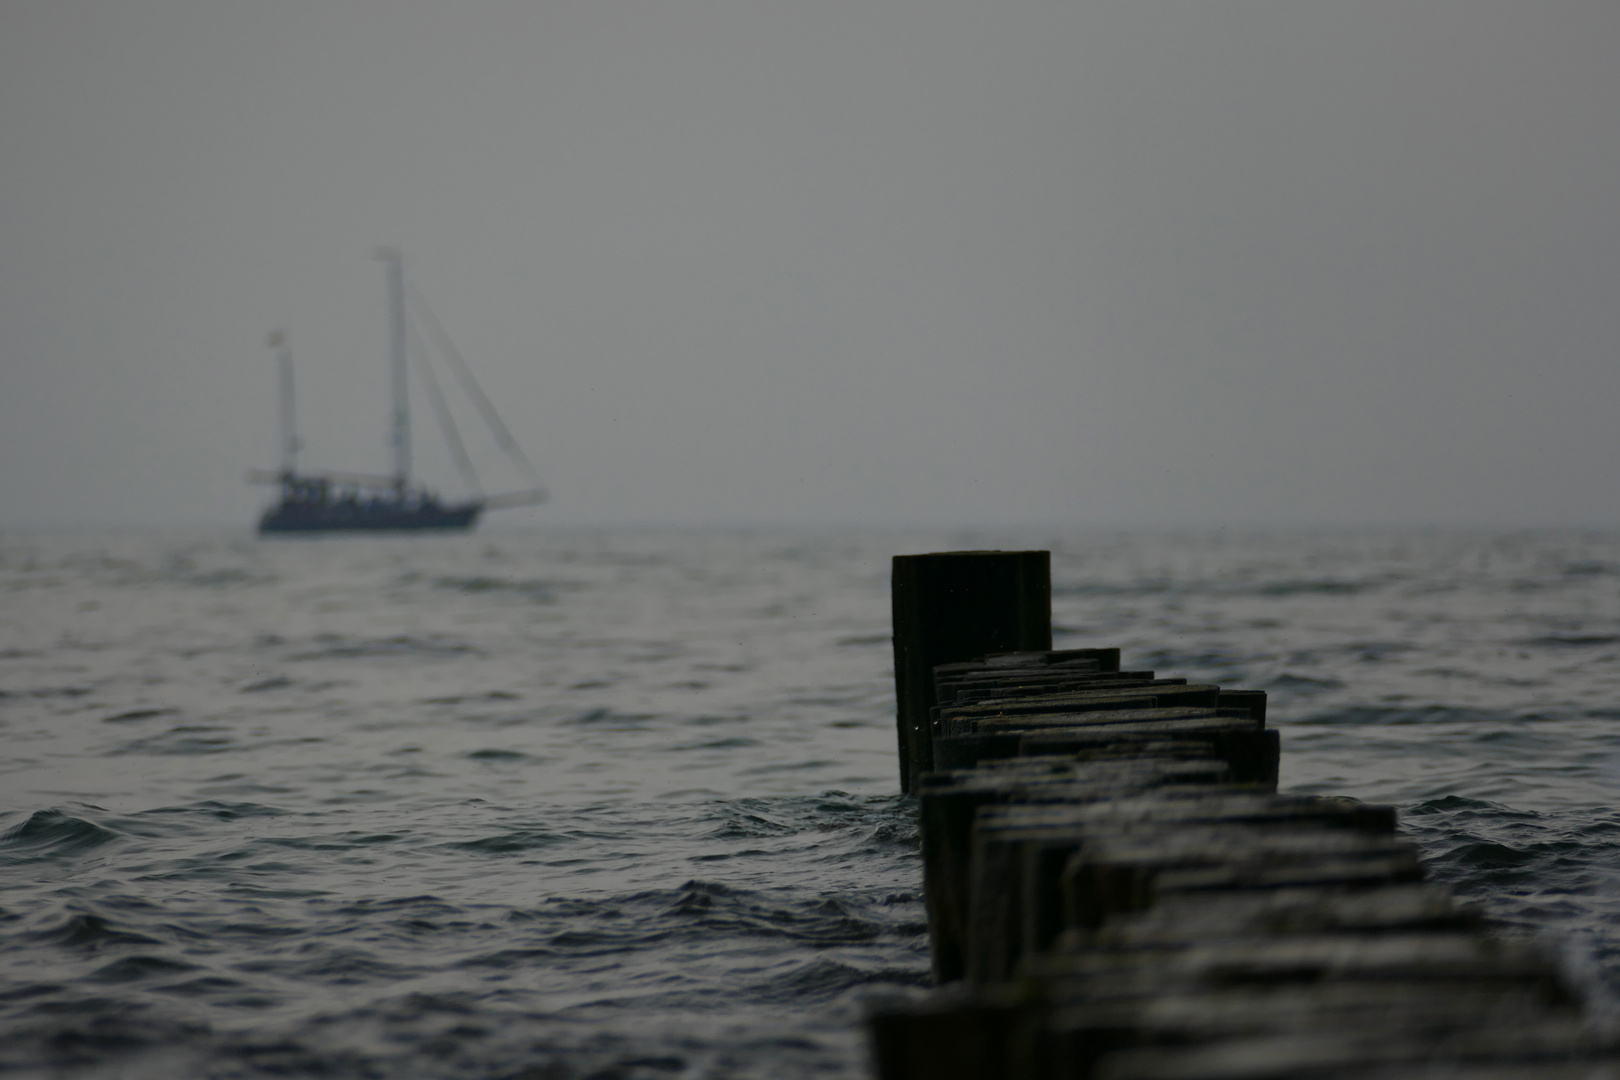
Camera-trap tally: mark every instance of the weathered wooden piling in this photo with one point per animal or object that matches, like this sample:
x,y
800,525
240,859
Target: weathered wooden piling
x,y
959,605
1115,890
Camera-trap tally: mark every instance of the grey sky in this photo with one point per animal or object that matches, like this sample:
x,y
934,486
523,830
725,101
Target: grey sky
x,y
886,261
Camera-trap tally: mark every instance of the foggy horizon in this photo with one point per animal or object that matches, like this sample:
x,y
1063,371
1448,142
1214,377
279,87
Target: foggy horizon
x,y
1183,266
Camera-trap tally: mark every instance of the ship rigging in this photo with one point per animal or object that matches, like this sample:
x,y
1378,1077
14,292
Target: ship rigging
x,y
342,501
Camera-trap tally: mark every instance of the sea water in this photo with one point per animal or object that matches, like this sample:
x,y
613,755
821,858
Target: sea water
x,y
623,804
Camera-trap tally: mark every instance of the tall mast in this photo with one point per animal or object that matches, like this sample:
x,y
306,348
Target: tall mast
x,y
289,418
400,435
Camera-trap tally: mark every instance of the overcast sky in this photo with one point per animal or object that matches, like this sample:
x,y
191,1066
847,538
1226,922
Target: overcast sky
x,y
889,261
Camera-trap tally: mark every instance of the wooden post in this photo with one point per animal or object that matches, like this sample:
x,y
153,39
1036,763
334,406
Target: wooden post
x,y
1122,893
953,606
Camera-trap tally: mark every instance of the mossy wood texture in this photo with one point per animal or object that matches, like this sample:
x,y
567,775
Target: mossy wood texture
x,y
1116,890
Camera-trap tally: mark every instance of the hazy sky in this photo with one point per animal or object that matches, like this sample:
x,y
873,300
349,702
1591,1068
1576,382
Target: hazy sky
x,y
894,261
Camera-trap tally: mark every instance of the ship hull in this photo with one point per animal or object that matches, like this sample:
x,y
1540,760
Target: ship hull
x,y
339,517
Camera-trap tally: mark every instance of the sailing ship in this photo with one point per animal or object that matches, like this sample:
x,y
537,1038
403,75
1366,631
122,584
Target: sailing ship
x,y
343,502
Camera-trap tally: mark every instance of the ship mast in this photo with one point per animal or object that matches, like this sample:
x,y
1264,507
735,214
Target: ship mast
x,y
400,433
289,419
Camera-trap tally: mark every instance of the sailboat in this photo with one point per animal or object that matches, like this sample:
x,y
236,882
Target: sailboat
x,y
343,502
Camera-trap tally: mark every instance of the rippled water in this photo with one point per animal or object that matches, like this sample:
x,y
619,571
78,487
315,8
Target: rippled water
x,y
622,804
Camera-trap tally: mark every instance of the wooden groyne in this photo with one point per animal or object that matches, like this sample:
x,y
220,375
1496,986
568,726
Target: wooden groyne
x,y
1116,890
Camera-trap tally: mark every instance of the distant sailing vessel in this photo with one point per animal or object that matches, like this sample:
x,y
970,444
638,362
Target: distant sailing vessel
x,y
341,502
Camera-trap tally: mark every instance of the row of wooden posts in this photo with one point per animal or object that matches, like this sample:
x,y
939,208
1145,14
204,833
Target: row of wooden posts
x,y
1116,890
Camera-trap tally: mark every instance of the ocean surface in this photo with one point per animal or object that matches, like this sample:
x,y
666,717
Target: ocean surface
x,y
622,804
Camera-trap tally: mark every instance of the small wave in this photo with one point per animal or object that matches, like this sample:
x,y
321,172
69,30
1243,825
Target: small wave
x,y
334,647
1265,589
835,810
1305,587
1301,684
206,986
231,575
461,699
742,824
1485,855
74,1032
179,569
91,933
1189,660
132,968
1376,652
822,979
510,843
29,991
789,766
52,834
137,714
59,691
220,811
1570,641
1103,589
182,740
538,590
505,959
695,896
274,682
1448,803
895,834
1515,858
735,743
1387,715
415,906
713,907
333,965
237,784
608,718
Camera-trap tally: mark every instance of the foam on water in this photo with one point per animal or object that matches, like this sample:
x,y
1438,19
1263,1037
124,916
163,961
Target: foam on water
x,y
622,803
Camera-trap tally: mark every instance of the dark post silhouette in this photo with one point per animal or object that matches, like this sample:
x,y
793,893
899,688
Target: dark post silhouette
x,y
953,606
